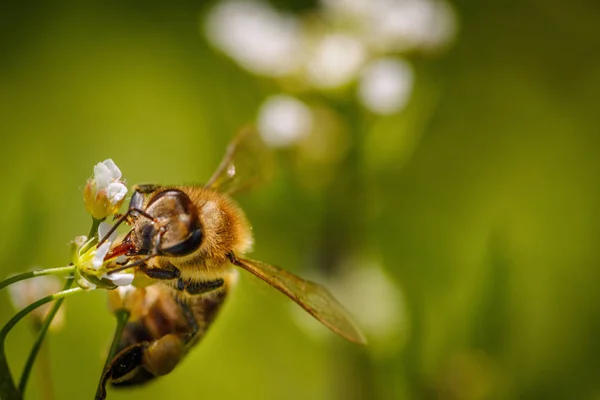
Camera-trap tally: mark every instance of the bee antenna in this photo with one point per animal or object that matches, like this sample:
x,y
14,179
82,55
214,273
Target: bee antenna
x,y
122,219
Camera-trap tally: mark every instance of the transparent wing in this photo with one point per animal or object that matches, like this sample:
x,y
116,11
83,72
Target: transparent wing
x,y
247,162
311,296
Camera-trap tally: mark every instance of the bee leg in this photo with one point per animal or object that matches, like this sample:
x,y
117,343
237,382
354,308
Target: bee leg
x,y
195,288
163,355
165,273
126,362
203,286
190,318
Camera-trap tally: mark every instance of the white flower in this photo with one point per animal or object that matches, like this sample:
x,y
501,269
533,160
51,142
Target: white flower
x,y
336,60
284,120
105,173
260,38
101,252
84,283
105,192
25,292
116,192
125,290
92,263
121,278
386,85
103,229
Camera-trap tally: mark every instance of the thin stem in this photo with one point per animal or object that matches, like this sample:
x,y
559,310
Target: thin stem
x,y
33,274
44,373
40,338
93,233
7,386
122,318
19,316
51,271
94,227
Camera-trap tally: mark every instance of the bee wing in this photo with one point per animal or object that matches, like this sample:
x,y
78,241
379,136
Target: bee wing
x,y
246,162
311,296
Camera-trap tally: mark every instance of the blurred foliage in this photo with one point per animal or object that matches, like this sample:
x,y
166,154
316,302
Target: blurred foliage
x,y
480,201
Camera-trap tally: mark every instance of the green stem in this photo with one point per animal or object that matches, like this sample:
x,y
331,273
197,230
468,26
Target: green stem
x,y
18,316
122,318
33,274
93,233
40,338
94,227
48,320
7,387
44,373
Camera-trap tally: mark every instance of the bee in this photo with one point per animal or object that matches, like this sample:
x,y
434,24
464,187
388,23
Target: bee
x,y
189,241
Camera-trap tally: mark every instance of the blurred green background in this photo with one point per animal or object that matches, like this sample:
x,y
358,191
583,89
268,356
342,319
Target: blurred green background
x,y
478,205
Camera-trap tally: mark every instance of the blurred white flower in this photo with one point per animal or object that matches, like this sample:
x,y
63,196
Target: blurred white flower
x,y
25,292
385,85
399,25
105,192
347,8
260,38
374,299
127,297
284,120
375,302
335,61
331,45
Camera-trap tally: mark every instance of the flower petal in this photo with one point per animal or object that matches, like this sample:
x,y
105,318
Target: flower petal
x,y
121,278
102,175
103,229
100,254
80,241
115,172
85,284
125,290
116,192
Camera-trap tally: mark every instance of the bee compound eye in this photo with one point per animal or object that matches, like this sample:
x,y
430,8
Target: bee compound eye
x,y
186,246
163,355
137,200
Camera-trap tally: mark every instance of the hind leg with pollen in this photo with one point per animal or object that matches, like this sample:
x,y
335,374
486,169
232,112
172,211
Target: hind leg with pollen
x,y
141,362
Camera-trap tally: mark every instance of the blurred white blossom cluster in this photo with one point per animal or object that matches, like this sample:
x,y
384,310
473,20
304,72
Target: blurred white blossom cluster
x,y
25,292
344,44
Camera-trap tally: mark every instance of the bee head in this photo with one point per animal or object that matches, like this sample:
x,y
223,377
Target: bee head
x,y
175,229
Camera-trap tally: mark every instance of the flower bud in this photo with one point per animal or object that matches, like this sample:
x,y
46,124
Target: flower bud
x,y
105,192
